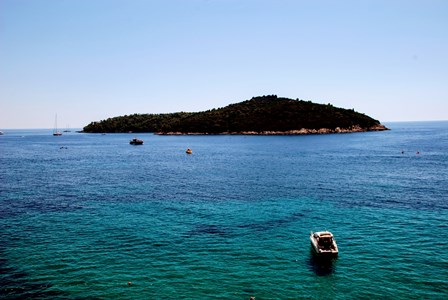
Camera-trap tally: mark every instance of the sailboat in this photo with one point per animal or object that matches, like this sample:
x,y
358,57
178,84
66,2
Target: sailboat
x,y
56,132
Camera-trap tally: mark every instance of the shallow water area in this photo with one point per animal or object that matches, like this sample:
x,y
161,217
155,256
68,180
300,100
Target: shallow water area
x,y
82,215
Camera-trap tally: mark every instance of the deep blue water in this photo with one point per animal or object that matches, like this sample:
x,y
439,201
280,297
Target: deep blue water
x,y
81,215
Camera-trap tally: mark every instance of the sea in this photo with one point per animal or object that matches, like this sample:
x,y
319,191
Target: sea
x,y
89,216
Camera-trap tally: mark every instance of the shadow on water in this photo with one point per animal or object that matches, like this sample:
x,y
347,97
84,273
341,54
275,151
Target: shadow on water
x,y
269,224
206,229
16,284
227,231
321,266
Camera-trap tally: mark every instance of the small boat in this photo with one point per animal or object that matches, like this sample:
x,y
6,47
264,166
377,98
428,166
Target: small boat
x,y
323,243
1,133
136,141
56,132
189,151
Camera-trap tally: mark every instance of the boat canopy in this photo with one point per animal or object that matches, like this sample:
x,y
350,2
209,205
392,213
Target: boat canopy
x,y
323,234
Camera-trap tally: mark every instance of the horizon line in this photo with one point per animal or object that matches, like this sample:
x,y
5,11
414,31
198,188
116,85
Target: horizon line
x,y
80,128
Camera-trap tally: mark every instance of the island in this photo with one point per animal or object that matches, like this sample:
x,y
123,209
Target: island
x,y
264,115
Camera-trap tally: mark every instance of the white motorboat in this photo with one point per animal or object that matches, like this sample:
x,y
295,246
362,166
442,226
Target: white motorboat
x,y
323,243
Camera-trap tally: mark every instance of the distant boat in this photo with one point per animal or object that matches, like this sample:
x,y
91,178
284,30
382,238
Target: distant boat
x,y
68,129
56,132
189,151
136,141
1,133
323,243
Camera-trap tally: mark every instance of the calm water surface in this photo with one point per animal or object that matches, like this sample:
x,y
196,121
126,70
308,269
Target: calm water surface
x,y
82,215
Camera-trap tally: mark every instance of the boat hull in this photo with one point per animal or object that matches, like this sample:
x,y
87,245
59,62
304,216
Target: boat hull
x,y
136,142
320,253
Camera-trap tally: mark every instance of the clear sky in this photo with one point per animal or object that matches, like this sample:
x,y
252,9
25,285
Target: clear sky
x,y
89,60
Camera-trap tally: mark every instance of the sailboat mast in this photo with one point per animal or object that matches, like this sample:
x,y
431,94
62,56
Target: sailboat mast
x,y
56,132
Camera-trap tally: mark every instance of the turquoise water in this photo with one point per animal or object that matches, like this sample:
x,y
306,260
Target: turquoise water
x,y
82,215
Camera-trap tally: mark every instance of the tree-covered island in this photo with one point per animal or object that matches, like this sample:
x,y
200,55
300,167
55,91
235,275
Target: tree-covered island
x,y
267,115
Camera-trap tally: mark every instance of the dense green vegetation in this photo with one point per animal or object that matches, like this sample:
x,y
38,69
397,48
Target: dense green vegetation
x,y
260,114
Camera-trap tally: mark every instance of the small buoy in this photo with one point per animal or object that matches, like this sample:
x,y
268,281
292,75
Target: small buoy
x,y
418,152
129,283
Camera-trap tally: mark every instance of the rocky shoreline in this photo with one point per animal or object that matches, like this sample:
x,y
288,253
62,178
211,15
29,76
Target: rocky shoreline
x,y
303,131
